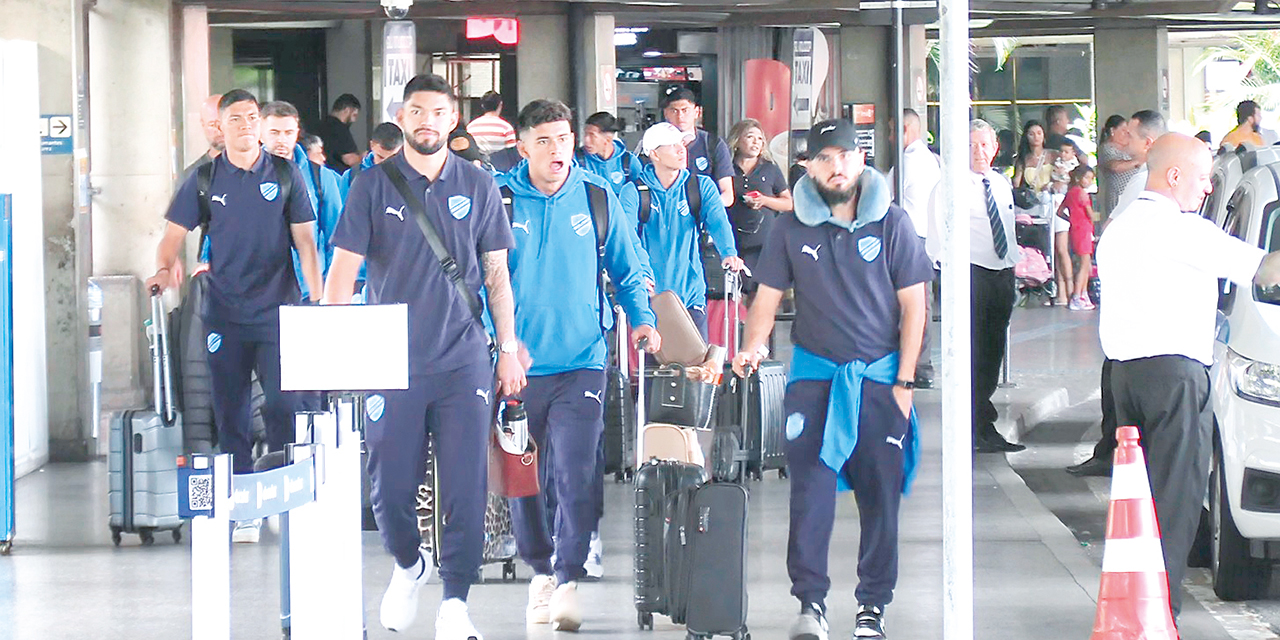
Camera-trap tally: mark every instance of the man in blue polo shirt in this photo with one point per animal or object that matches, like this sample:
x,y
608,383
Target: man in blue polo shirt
x,y
859,270
252,222
708,155
559,214
390,212
668,231
280,130
604,154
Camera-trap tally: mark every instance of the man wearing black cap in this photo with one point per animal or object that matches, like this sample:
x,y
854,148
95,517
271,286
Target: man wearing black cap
x,y
708,154
859,272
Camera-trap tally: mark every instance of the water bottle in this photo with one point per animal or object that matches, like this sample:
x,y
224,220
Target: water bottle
x,y
515,427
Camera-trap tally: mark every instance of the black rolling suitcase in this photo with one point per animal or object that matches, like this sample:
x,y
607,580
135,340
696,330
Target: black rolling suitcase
x,y
619,408
655,481
707,560
758,416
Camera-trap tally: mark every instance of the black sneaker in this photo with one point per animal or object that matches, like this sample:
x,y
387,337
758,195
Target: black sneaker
x,y
870,622
811,624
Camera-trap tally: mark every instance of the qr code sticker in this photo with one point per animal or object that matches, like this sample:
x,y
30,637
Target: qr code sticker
x,y
200,492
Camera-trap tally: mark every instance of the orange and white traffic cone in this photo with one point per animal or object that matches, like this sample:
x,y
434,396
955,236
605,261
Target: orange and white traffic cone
x,y
1133,601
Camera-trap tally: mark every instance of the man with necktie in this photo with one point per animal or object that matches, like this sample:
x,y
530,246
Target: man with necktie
x,y
992,254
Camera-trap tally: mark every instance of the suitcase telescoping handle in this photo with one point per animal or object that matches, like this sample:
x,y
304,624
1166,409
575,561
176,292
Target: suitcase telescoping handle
x,y
640,405
161,367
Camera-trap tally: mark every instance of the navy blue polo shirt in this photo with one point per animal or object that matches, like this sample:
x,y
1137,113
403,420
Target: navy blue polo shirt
x,y
847,296
751,226
716,163
251,264
465,207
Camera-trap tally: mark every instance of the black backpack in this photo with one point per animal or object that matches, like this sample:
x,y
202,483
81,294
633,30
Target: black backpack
x,y
707,252
284,178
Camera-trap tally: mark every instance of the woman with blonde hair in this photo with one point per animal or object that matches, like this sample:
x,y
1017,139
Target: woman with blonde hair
x,y
760,191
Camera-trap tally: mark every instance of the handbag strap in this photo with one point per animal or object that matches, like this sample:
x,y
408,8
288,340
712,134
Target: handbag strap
x,y
447,262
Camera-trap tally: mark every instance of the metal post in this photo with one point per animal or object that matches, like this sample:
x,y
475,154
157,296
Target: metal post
x,y
957,432
211,557
1004,364
899,101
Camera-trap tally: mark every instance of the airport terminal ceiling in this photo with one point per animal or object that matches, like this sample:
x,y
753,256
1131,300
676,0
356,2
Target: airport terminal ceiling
x,y
991,17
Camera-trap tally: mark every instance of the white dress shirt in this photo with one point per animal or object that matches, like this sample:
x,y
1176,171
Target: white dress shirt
x,y
1159,269
922,170
982,248
1137,184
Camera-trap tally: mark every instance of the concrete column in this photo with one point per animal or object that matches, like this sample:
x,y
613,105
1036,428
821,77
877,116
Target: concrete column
x,y
195,79
50,24
867,76
599,82
543,58
1131,70
221,60
915,68
347,56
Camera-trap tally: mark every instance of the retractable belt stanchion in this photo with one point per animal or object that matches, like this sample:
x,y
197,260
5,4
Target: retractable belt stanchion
x,y
317,494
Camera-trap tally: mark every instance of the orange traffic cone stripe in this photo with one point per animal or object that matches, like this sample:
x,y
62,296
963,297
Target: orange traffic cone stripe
x,y
1133,599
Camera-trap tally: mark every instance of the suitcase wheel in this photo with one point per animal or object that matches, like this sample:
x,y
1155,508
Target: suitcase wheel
x,y
148,536
6,547
782,475
509,571
177,536
644,620
115,536
624,475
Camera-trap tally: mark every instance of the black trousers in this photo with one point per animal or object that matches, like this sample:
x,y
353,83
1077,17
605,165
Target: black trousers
x,y
1167,398
1106,447
991,298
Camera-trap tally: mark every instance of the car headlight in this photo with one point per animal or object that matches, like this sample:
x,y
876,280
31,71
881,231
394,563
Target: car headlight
x,y
1256,381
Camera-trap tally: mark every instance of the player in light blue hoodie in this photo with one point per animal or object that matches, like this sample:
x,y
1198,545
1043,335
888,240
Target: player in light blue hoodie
x,y
567,226
669,231
604,155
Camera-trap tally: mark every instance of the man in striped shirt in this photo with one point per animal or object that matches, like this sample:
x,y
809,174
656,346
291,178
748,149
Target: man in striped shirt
x,y
491,132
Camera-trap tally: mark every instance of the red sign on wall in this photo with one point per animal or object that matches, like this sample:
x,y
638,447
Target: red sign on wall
x,y
504,30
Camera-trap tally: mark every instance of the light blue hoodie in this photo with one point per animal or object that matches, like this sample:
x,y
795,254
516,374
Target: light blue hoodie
x,y
326,219
670,237
621,167
559,307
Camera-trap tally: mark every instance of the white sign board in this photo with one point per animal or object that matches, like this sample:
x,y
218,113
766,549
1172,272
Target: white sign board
x,y
344,347
399,64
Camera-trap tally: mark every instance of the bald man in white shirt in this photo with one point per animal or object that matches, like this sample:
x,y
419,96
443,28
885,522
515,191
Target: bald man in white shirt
x,y
1162,345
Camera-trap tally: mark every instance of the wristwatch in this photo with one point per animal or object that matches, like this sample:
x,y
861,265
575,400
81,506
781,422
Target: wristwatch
x,y
763,351
510,346
905,384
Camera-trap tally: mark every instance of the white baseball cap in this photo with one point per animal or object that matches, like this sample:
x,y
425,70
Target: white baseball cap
x,y
660,135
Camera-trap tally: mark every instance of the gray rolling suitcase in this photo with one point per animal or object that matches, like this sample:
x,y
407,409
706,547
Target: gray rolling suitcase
x,y
142,463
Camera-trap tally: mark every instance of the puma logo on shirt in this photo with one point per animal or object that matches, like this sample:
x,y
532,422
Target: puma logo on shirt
x,y
222,199
594,395
811,251
897,442
523,226
399,213
484,395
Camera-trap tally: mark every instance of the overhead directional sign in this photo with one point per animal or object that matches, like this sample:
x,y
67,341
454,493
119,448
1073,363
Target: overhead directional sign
x,y
55,135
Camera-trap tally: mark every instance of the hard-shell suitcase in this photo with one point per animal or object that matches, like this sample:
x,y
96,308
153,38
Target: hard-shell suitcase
x,y
619,408
499,537
758,417
681,341
671,442
654,482
142,462
707,561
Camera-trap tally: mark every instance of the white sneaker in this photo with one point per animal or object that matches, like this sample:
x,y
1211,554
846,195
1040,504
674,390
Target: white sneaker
x,y
540,590
595,558
566,614
400,602
453,623
247,532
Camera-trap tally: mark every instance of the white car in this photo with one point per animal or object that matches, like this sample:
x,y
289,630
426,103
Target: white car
x,y
1228,169
1244,488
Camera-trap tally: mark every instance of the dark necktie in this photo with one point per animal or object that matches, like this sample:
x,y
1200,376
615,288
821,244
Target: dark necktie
x,y
998,238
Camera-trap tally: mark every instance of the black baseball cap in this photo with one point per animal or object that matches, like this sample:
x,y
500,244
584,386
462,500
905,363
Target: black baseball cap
x,y
831,133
